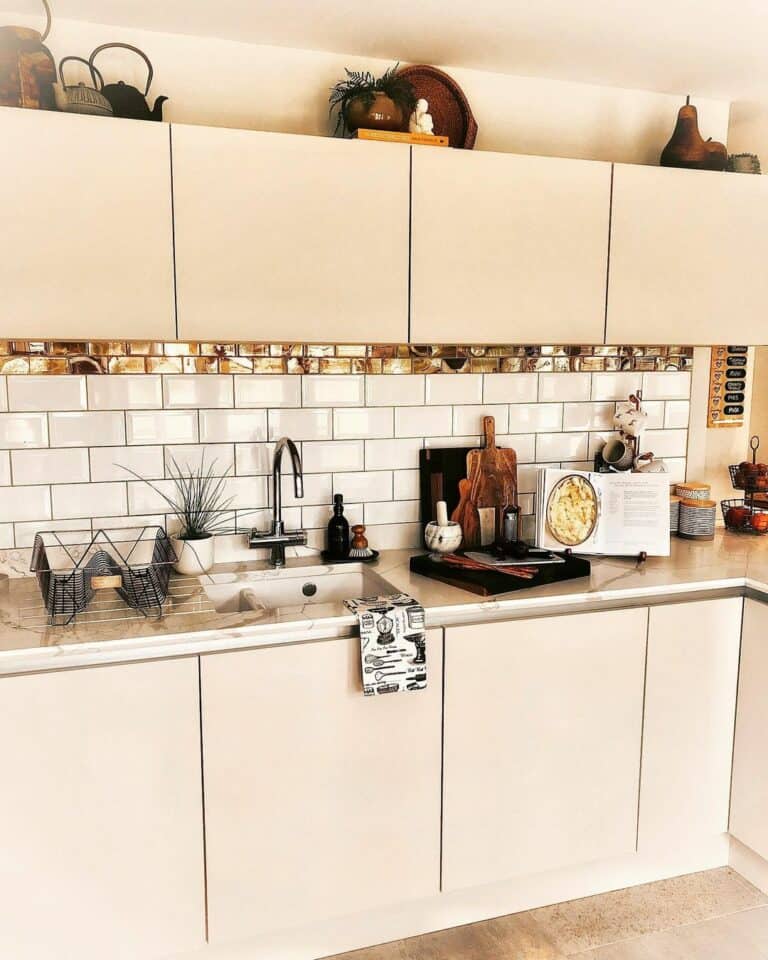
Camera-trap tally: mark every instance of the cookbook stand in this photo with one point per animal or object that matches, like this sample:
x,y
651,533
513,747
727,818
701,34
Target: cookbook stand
x,y
641,557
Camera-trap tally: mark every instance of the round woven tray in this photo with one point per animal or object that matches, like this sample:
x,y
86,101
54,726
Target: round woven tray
x,y
449,107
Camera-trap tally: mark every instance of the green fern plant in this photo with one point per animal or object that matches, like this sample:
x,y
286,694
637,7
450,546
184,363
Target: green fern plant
x,y
362,85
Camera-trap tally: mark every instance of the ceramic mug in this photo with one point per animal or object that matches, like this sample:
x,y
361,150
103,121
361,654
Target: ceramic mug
x,y
618,454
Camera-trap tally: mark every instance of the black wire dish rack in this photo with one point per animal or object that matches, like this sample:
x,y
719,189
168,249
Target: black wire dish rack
x,y
135,562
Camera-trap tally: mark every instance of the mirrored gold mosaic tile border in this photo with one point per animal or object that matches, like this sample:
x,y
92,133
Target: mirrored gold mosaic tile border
x,y
142,356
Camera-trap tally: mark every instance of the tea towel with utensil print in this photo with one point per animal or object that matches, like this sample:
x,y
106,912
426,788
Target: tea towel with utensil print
x,y
393,643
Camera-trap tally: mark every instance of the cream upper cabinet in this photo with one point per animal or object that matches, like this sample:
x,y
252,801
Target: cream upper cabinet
x,y
542,744
688,253
508,249
749,792
101,813
319,801
86,243
282,237
690,704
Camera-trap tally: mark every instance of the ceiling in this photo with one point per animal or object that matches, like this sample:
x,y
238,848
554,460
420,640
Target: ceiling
x,y
718,48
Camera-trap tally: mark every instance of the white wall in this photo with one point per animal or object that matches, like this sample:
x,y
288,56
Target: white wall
x,y
221,83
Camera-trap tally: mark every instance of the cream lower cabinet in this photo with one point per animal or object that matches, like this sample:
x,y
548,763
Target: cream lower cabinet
x,y
688,251
690,705
86,242
508,249
283,238
319,802
749,792
543,726
101,837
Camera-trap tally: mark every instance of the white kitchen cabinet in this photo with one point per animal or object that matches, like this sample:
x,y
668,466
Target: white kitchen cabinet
x,y
319,802
690,705
542,744
101,813
749,791
508,249
86,244
688,252
282,237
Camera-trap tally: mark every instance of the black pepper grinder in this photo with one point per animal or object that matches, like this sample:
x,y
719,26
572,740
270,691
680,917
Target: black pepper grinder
x,y
338,531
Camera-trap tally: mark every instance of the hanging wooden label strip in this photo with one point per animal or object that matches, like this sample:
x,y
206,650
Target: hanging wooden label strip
x,y
727,387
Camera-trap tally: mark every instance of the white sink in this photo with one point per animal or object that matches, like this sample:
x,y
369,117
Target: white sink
x,y
295,591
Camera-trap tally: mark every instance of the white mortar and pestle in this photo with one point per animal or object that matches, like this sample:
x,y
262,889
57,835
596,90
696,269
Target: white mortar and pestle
x,y
442,535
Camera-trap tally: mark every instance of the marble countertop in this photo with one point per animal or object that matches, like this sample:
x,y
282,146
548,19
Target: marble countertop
x,y
110,633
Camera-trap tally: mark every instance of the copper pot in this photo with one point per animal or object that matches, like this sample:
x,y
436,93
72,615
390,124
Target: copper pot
x,y
27,69
383,114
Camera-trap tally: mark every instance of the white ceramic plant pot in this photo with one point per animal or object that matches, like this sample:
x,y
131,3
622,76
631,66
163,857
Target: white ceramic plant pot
x,y
194,556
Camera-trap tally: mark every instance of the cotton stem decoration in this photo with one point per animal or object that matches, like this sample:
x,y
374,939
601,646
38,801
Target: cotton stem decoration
x,y
421,120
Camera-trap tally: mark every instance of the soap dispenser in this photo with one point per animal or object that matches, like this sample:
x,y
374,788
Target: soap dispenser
x,y
338,531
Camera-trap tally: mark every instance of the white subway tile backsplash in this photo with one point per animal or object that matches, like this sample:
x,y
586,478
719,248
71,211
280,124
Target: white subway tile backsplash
x,y
677,414
69,531
362,423
145,499
406,390
423,422
6,535
194,391
50,466
72,500
364,486
318,488
253,459
535,417
510,387
553,447
616,386
405,484
193,456
389,454
598,440
459,388
21,430
470,419
246,492
393,511
589,416
654,411
524,445
87,429
333,455
300,424
395,536
109,463
267,391
470,440
323,390
560,387
527,475
167,426
47,393
233,426
317,517
676,469
667,385
5,467
125,392
666,443
3,393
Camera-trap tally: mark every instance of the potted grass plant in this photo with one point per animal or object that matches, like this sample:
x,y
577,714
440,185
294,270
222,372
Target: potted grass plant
x,y
198,501
374,103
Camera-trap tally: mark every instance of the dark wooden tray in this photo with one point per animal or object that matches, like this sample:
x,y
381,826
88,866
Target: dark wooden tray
x,y
490,583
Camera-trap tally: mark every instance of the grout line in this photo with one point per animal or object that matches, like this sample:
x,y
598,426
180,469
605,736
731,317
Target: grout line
x,y
173,234
442,758
202,790
608,257
642,728
736,706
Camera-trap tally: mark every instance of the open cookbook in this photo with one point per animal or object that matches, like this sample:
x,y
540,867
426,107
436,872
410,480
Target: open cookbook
x,y
617,514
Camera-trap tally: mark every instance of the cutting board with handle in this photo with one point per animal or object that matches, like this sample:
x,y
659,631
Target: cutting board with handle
x,y
491,486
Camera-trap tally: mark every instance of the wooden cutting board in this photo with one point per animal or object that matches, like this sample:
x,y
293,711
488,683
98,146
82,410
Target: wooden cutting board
x,y
492,485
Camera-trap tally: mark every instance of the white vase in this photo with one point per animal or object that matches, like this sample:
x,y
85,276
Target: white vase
x,y
193,557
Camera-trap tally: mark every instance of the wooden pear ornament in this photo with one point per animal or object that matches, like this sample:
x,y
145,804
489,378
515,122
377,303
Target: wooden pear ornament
x,y
687,148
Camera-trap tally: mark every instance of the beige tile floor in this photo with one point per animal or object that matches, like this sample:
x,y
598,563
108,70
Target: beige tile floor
x,y
715,915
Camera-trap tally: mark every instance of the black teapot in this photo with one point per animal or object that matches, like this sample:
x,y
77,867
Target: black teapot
x,y
126,100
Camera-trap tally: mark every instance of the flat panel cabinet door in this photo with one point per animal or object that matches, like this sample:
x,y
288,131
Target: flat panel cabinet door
x,y
508,249
542,744
749,796
282,237
101,813
319,802
86,241
688,253
690,705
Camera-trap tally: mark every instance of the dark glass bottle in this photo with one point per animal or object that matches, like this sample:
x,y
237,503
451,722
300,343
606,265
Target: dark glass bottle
x,y
338,531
